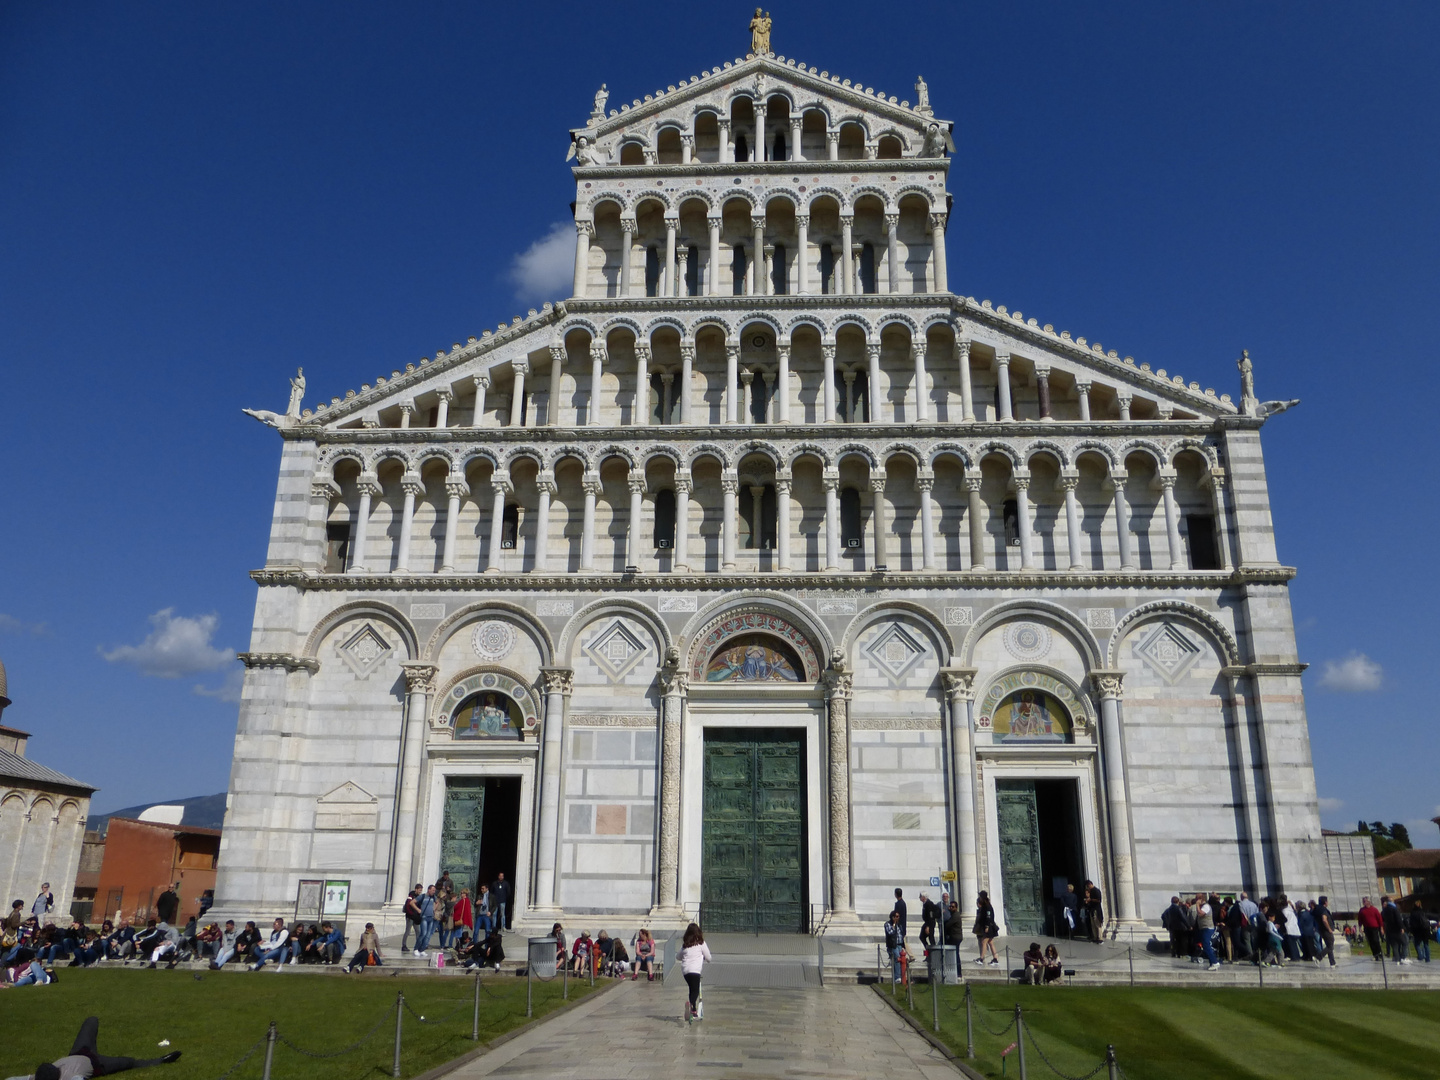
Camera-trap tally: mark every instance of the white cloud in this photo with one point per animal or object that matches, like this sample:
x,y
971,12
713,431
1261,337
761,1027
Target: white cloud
x,y
1355,674
176,646
229,690
1328,802
546,269
9,624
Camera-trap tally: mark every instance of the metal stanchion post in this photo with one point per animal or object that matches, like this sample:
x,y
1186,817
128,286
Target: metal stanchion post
x,y
269,1050
1130,954
909,989
565,980
399,1019
820,944
1007,963
1113,1065
1260,967
591,965
529,1009
969,1024
935,989
475,1027
1385,972
1020,1039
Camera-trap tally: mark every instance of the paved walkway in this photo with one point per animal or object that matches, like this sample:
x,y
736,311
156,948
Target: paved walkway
x,y
635,1032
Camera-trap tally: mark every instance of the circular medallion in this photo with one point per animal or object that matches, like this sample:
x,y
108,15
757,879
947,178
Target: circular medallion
x,y
488,681
1027,640
493,640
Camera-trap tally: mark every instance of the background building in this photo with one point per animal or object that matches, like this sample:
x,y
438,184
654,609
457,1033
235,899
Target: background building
x,y
765,573
144,858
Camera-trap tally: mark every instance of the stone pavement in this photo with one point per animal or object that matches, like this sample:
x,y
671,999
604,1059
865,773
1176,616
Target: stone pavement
x,y
635,1032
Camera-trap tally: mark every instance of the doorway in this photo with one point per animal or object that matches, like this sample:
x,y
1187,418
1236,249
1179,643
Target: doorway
x,y
481,831
753,831
1041,852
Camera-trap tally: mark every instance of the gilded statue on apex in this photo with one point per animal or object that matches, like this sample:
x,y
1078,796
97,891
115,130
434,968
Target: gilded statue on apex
x,y
760,33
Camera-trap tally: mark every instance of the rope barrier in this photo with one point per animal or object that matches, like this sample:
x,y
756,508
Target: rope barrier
x,y
452,1013
245,1057
982,1010
346,1050
1050,1065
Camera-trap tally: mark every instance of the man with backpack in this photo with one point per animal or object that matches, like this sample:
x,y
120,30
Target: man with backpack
x,y
1239,924
412,918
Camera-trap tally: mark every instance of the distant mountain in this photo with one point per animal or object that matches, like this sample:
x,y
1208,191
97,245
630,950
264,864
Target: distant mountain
x,y
202,811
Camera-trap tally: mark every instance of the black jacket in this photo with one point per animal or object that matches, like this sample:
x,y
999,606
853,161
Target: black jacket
x,y
1390,919
1419,926
502,892
167,907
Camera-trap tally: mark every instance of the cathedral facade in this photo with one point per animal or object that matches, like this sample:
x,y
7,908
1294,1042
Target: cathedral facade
x,y
765,574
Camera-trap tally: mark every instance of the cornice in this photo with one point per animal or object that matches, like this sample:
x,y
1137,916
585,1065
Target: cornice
x,y
957,581
288,661
761,168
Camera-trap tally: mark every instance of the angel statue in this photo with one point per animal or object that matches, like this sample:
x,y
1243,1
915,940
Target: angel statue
x,y
297,393
601,96
760,33
585,153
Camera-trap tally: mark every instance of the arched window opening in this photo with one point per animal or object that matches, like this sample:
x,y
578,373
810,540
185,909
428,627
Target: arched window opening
x,y
759,397
1204,543
667,146
867,268
665,519
852,533
777,150
779,276
652,271
510,528
692,270
632,154
827,269
742,147
489,715
890,147
1011,512
737,270
337,547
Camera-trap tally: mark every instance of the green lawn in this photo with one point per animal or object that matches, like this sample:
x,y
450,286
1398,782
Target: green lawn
x,y
216,1018
1180,1033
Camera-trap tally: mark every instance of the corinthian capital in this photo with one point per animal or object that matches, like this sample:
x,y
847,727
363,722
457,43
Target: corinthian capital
x,y
558,680
960,682
419,677
1107,684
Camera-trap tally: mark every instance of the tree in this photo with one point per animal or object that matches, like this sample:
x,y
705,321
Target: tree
x,y
1400,835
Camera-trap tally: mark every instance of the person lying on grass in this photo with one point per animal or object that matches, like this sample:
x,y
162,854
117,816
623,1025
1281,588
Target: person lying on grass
x,y
84,1060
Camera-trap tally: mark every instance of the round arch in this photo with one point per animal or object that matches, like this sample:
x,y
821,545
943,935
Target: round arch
x,y
470,612
618,605
1084,640
1202,620
375,609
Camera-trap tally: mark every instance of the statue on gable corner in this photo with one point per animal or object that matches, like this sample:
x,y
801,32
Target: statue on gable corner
x,y
601,97
760,33
934,142
297,393
922,95
1248,404
585,153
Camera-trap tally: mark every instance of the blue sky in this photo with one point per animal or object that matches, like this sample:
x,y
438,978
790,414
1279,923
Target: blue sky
x,y
197,198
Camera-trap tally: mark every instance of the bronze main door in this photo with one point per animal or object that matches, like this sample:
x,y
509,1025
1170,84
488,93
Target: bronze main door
x,y
753,846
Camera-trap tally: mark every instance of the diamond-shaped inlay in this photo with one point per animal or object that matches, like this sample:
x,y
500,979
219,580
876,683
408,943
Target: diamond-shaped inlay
x,y
616,650
1168,651
364,650
895,651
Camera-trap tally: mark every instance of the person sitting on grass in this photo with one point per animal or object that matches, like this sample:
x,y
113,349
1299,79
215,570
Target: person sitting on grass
x,y
368,955
1053,967
208,941
166,945
29,971
85,1060
1034,971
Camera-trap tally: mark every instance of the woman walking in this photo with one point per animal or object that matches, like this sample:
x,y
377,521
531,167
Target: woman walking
x,y
986,928
693,955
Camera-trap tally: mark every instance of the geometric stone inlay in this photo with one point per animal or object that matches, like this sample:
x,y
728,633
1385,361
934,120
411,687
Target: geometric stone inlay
x,y
554,607
959,616
363,650
1027,640
616,650
1168,651
493,640
895,651
1100,618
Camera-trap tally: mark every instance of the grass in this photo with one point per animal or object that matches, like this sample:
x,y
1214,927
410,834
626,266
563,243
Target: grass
x,y
214,1018
1199,1033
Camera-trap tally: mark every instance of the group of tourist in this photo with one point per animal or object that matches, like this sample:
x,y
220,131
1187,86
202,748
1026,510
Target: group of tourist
x,y
1399,930
447,915
605,955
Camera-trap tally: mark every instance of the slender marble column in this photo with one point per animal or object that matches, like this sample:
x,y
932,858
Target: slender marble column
x,y
782,385
1002,385
877,514
747,397
922,388
1022,514
762,148
1122,519
517,398
667,399
419,684
455,490
727,144
832,145
687,148
557,376
584,230
795,139
674,685
828,352
937,248
960,688
682,263
323,493
640,409
782,521
732,384
728,484
832,520
627,251
687,363
667,272
712,271
682,522
924,484
892,252
598,356
759,288
407,410
849,375
442,410
1082,391
1108,687
368,487
874,410
482,383
559,683
1172,520
545,486
847,262
757,509
967,395
412,486
1069,482
1222,518
1124,401
976,522
838,686
802,255
1042,389
634,539
591,484
500,487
